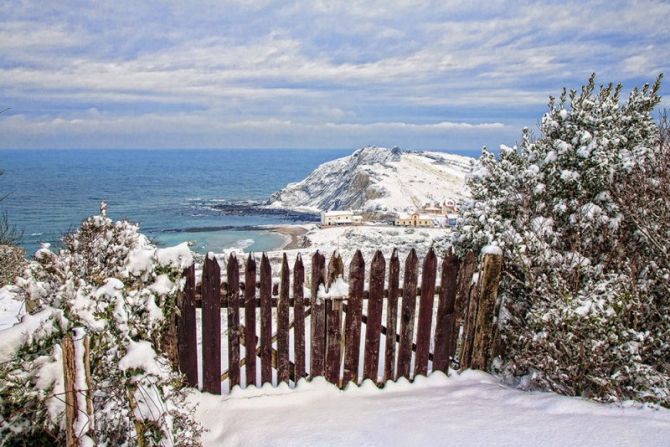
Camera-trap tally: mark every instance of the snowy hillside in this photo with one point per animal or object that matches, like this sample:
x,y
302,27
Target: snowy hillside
x,y
378,180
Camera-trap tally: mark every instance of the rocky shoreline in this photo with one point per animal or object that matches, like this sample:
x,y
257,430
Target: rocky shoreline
x,y
258,209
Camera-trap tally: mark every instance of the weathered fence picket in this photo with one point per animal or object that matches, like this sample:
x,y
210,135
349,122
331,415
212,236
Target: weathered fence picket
x,y
283,364
392,317
266,321
318,320
187,341
211,326
299,318
233,271
352,321
334,323
373,327
408,309
469,325
424,323
411,344
464,286
445,323
250,320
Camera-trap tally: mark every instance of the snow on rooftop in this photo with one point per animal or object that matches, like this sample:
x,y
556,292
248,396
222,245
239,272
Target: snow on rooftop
x,y
338,213
405,216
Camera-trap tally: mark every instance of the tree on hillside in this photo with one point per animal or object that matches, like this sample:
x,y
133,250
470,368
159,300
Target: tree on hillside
x,y
582,214
11,256
9,234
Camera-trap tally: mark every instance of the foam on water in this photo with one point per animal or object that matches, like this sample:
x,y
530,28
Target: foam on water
x,y
244,243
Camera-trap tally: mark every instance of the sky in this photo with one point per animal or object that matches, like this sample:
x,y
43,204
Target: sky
x,y
316,74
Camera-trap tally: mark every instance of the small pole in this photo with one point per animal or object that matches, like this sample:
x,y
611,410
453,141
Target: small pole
x,y
75,405
70,398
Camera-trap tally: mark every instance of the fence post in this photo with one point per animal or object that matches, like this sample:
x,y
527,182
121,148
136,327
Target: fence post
x,y
488,292
70,401
78,403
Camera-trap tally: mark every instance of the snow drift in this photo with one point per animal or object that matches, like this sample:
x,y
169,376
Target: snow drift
x,y
467,409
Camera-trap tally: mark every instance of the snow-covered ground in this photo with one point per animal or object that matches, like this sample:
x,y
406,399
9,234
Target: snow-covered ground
x,y
11,309
470,409
346,240
379,180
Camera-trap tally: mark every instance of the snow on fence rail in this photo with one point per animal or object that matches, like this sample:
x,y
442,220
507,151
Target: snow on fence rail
x,y
400,340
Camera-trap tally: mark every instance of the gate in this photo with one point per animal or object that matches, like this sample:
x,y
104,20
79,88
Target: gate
x,y
276,329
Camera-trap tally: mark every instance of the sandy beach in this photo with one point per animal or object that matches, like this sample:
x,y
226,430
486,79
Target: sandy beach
x,y
294,235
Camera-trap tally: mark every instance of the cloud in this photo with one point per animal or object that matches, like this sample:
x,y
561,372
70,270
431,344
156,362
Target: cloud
x,y
361,69
24,36
93,130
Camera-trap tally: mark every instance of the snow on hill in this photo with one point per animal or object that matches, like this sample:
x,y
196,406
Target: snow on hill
x,y
379,180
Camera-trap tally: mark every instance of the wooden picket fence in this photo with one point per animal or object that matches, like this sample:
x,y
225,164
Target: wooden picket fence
x,y
464,319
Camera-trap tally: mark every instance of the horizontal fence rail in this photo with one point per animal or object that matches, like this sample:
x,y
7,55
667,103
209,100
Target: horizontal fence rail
x,y
286,327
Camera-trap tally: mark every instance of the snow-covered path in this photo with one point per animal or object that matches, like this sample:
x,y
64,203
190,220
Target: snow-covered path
x,y
471,409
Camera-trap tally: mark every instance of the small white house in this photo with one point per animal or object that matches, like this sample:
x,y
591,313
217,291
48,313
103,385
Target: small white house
x,y
340,218
415,220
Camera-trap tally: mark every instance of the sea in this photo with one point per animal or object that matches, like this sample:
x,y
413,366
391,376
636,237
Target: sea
x,y
174,195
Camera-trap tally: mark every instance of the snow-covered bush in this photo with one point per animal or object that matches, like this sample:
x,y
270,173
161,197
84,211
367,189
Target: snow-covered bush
x,y
111,282
583,215
12,262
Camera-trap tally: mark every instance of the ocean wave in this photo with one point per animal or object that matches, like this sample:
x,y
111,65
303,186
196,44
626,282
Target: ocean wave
x,y
244,243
